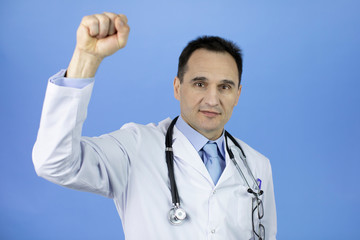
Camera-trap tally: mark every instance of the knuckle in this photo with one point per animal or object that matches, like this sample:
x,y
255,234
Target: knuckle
x,y
85,20
90,20
110,14
102,17
123,18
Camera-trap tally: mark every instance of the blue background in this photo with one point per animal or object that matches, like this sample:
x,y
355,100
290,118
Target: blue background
x,y
299,104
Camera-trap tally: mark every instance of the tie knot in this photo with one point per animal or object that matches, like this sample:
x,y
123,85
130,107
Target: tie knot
x,y
211,149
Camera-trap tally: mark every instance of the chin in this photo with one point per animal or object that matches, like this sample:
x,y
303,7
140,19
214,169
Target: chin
x,y
210,129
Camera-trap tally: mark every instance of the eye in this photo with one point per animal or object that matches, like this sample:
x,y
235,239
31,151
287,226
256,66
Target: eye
x,y
199,84
226,86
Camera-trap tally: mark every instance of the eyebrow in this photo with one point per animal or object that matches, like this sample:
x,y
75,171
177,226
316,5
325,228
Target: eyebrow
x,y
199,79
226,81
230,82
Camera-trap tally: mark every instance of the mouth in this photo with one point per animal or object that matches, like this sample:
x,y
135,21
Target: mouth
x,y
210,114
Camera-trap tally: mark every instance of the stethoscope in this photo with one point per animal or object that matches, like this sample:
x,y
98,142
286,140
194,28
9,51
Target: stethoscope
x,y
177,214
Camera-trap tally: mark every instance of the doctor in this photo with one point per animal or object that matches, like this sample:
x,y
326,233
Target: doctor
x,y
219,197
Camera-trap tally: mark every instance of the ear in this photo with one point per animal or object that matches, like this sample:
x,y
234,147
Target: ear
x,y
177,88
238,95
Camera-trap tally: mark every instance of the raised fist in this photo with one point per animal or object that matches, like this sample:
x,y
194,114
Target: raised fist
x,y
98,36
102,34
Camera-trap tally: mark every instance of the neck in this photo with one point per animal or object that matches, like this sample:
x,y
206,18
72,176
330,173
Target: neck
x,y
211,135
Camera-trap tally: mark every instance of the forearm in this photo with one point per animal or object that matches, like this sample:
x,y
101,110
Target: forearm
x,y
59,134
83,65
62,156
60,153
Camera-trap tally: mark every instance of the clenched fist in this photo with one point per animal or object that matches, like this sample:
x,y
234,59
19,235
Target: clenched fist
x,y
98,36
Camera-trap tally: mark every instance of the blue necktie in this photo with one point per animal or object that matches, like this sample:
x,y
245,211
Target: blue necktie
x,y
213,161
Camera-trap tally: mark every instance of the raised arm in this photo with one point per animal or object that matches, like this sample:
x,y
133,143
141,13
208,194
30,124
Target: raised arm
x,y
60,153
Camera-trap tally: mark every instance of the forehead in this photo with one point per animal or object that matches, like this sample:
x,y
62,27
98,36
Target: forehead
x,y
216,64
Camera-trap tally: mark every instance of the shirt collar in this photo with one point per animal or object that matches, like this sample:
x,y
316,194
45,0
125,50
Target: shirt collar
x,y
197,139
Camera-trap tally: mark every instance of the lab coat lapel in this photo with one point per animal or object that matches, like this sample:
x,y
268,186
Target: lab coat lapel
x,y
184,151
230,170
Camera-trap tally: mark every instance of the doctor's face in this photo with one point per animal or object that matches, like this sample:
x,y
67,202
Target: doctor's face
x,y
209,91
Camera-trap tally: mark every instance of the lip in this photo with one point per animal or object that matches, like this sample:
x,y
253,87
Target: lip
x,y
210,114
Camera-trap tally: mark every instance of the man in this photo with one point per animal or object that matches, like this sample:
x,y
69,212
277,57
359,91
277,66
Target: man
x,y
221,200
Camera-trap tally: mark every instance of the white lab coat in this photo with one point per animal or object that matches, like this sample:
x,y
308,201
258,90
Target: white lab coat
x,y
129,166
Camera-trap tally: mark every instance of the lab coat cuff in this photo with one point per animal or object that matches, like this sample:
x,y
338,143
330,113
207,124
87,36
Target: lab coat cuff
x,y
79,83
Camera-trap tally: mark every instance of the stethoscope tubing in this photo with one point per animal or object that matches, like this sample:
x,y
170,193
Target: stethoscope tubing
x,y
243,158
170,164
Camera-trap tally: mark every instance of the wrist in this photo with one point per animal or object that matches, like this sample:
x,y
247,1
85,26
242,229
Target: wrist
x,y
83,65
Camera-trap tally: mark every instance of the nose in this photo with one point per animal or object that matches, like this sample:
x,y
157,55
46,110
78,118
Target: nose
x,y
211,97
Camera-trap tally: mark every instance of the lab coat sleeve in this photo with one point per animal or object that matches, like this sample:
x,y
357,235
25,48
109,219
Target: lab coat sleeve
x,y
62,156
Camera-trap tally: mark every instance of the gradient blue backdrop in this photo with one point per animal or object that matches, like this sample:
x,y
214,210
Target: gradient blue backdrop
x,y
299,104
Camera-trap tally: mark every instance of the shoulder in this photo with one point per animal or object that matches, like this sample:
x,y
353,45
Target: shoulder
x,y
135,133
160,127
133,137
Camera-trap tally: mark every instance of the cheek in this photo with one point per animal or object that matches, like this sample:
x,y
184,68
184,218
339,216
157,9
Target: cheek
x,y
192,98
230,104
189,104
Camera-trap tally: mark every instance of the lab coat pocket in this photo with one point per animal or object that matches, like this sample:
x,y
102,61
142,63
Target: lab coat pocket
x,y
243,204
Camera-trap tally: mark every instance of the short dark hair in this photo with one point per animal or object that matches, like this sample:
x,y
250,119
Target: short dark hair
x,y
211,43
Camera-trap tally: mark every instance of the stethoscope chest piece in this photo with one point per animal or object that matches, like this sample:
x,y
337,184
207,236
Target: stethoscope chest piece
x,y
177,215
